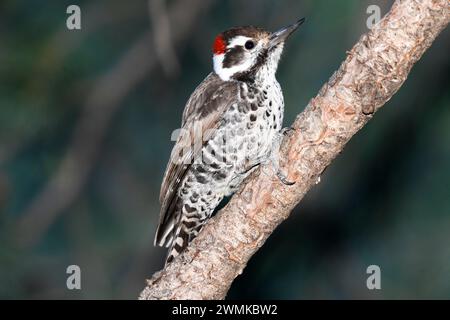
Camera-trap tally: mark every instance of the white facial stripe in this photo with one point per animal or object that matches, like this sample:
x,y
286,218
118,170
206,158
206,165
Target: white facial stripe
x,y
226,73
238,41
217,65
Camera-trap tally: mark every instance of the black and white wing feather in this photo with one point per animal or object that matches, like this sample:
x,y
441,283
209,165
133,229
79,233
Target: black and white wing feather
x,y
202,113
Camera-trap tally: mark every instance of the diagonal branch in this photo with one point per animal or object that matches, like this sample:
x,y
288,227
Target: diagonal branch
x,y
373,71
164,48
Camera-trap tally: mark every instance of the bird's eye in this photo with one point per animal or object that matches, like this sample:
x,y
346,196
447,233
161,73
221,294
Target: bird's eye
x,y
249,45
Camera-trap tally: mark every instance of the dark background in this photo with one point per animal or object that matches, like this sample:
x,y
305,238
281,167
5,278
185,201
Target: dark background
x,y
85,124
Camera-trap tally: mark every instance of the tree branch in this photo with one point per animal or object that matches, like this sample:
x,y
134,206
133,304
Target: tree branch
x,y
372,73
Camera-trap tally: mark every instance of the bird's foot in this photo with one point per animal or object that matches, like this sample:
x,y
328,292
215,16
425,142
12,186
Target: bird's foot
x,y
275,157
284,179
286,130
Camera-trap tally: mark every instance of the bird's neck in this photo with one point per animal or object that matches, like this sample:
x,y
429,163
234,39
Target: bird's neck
x,y
265,73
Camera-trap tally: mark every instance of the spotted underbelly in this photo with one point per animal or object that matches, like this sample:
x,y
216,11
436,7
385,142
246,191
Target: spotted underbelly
x,y
243,140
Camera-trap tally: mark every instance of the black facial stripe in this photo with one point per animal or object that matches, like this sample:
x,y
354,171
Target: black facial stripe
x,y
248,76
233,56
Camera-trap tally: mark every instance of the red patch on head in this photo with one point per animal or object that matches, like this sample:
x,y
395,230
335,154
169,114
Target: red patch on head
x,y
219,45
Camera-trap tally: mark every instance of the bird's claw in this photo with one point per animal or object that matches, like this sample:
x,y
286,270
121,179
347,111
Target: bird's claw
x,y
286,130
284,180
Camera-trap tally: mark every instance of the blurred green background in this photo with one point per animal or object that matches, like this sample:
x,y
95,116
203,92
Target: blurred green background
x,y
85,124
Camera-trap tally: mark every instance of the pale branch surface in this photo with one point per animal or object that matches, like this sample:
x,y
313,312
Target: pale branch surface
x,y
373,71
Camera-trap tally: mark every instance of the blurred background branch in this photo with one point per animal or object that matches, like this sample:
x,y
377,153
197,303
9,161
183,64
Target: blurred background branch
x,y
373,71
100,107
162,36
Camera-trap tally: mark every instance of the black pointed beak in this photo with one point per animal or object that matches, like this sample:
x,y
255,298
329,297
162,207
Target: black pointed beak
x,y
282,34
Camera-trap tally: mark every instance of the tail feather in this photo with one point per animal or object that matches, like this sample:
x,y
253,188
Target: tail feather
x,y
185,233
179,243
182,226
166,228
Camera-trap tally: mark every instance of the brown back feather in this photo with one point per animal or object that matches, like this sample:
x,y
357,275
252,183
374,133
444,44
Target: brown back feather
x,y
203,110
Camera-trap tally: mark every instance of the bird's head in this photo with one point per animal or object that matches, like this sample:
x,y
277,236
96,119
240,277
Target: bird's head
x,y
243,52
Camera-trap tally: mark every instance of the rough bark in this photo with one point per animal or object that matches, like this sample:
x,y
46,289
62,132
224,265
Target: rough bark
x,y
373,71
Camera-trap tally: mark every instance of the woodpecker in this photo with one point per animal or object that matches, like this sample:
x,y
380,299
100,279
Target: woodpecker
x,y
231,123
